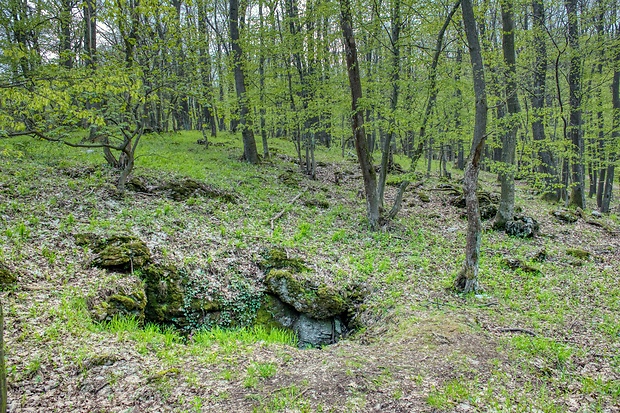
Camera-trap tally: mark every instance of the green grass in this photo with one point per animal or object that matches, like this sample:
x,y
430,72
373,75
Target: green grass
x,y
406,269
250,335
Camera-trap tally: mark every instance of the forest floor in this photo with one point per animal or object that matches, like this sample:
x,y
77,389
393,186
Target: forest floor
x,y
539,340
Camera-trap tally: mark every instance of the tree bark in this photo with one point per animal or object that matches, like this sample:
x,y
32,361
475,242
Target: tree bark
x,y
505,212
261,75
467,279
65,52
433,91
250,153
577,195
357,117
547,167
615,98
396,23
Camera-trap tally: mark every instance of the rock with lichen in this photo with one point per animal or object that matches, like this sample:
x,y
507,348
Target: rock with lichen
x,y
273,313
118,252
314,333
522,227
7,277
165,294
119,297
578,253
183,189
278,258
319,301
565,215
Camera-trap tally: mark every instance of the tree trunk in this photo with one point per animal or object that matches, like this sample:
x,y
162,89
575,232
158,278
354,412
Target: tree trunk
x,y
577,195
250,153
396,24
467,279
547,167
90,33
357,118
65,52
433,91
261,75
505,212
615,99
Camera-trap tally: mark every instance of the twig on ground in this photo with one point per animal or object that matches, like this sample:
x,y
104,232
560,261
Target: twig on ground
x,y
517,330
279,214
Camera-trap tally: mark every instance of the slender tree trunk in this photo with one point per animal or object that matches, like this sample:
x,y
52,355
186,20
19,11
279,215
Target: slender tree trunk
x,y
547,167
467,279
433,90
250,153
505,212
460,158
600,31
261,75
66,54
357,118
208,105
577,196
615,98
394,78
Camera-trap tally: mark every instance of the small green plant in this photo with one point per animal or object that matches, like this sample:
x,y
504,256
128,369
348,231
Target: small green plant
x,y
121,325
557,355
303,231
197,403
23,231
224,337
68,223
448,395
339,235
49,255
286,399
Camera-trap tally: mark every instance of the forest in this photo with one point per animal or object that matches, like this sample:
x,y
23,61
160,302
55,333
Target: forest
x,y
309,206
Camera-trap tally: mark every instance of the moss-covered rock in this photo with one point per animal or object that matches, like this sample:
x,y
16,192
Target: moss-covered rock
x,y
311,332
7,277
517,264
565,215
318,203
522,227
139,184
318,301
484,199
273,313
315,333
183,189
121,253
87,239
164,293
277,258
123,296
578,253
290,178
424,197
488,211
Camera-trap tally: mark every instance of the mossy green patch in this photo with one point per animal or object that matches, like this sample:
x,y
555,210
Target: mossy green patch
x,y
121,252
164,292
7,277
318,301
277,258
578,253
121,297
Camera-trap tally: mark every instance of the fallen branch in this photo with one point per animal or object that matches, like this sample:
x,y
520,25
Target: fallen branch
x,y
279,214
517,330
